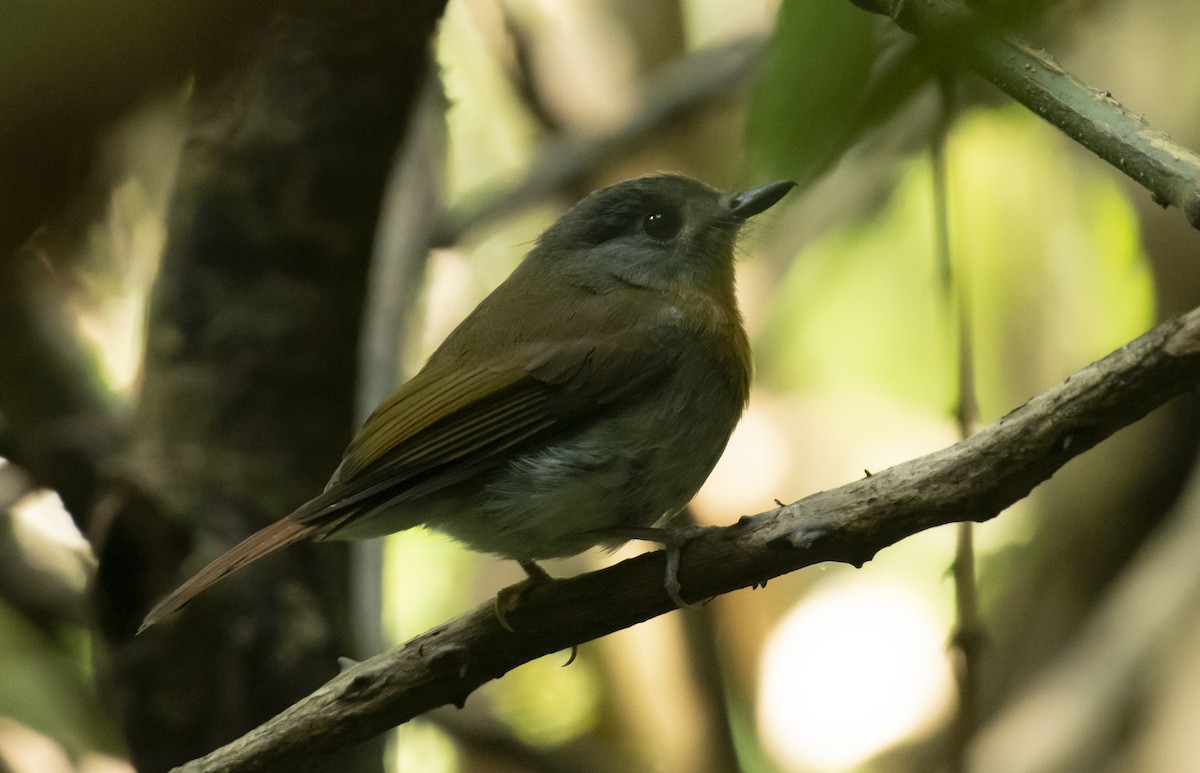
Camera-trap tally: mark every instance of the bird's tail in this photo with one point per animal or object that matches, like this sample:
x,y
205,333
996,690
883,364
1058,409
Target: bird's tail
x,y
278,535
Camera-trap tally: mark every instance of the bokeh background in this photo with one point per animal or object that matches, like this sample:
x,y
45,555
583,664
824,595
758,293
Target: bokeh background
x,y
1089,591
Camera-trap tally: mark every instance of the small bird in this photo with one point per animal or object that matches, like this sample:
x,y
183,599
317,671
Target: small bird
x,y
587,397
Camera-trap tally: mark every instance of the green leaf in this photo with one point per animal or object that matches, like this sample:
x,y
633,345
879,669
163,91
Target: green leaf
x,y
807,106
1050,256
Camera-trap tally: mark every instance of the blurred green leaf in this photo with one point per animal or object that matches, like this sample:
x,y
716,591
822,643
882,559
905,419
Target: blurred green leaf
x,y
807,105
1049,251
546,704
43,688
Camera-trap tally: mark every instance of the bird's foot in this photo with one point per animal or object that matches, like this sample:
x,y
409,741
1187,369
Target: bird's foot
x,y
673,539
508,598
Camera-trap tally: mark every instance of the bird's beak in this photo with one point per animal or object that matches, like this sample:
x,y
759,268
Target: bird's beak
x,y
752,202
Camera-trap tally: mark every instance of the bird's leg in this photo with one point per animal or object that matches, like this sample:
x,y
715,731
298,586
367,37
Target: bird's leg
x,y
508,598
672,538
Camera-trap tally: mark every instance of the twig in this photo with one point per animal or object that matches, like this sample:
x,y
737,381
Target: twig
x,y
973,479
1093,118
710,675
964,640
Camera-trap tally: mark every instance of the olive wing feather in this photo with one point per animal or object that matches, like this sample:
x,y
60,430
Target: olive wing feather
x,y
442,428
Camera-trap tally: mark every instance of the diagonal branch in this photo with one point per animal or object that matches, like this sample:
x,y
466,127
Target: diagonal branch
x,y
1092,118
971,480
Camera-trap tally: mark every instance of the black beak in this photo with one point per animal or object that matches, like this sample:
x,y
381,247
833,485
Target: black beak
x,y
752,202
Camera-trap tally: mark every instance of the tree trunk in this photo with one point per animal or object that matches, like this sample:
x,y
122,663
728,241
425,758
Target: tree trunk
x,y
247,397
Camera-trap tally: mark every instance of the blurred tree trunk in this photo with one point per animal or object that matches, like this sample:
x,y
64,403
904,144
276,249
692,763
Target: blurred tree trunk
x,y
72,69
250,366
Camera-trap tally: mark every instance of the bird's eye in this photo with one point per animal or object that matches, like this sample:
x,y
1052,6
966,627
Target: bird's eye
x,y
662,224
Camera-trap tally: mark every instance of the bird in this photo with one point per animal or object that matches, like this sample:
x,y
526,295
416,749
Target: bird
x,y
588,397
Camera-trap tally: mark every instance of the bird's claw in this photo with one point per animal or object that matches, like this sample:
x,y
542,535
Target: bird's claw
x,y
673,539
508,598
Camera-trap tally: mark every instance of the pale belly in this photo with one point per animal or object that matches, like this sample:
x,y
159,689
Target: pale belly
x,y
635,471
633,468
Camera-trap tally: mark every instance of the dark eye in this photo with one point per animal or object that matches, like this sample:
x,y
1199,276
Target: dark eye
x,y
662,224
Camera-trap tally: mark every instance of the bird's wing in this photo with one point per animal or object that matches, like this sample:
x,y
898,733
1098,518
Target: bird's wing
x,y
443,428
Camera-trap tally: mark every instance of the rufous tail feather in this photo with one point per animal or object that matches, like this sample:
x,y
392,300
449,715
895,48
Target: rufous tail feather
x,y
278,535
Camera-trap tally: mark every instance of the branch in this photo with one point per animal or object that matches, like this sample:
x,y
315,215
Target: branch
x,y
1092,118
971,480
